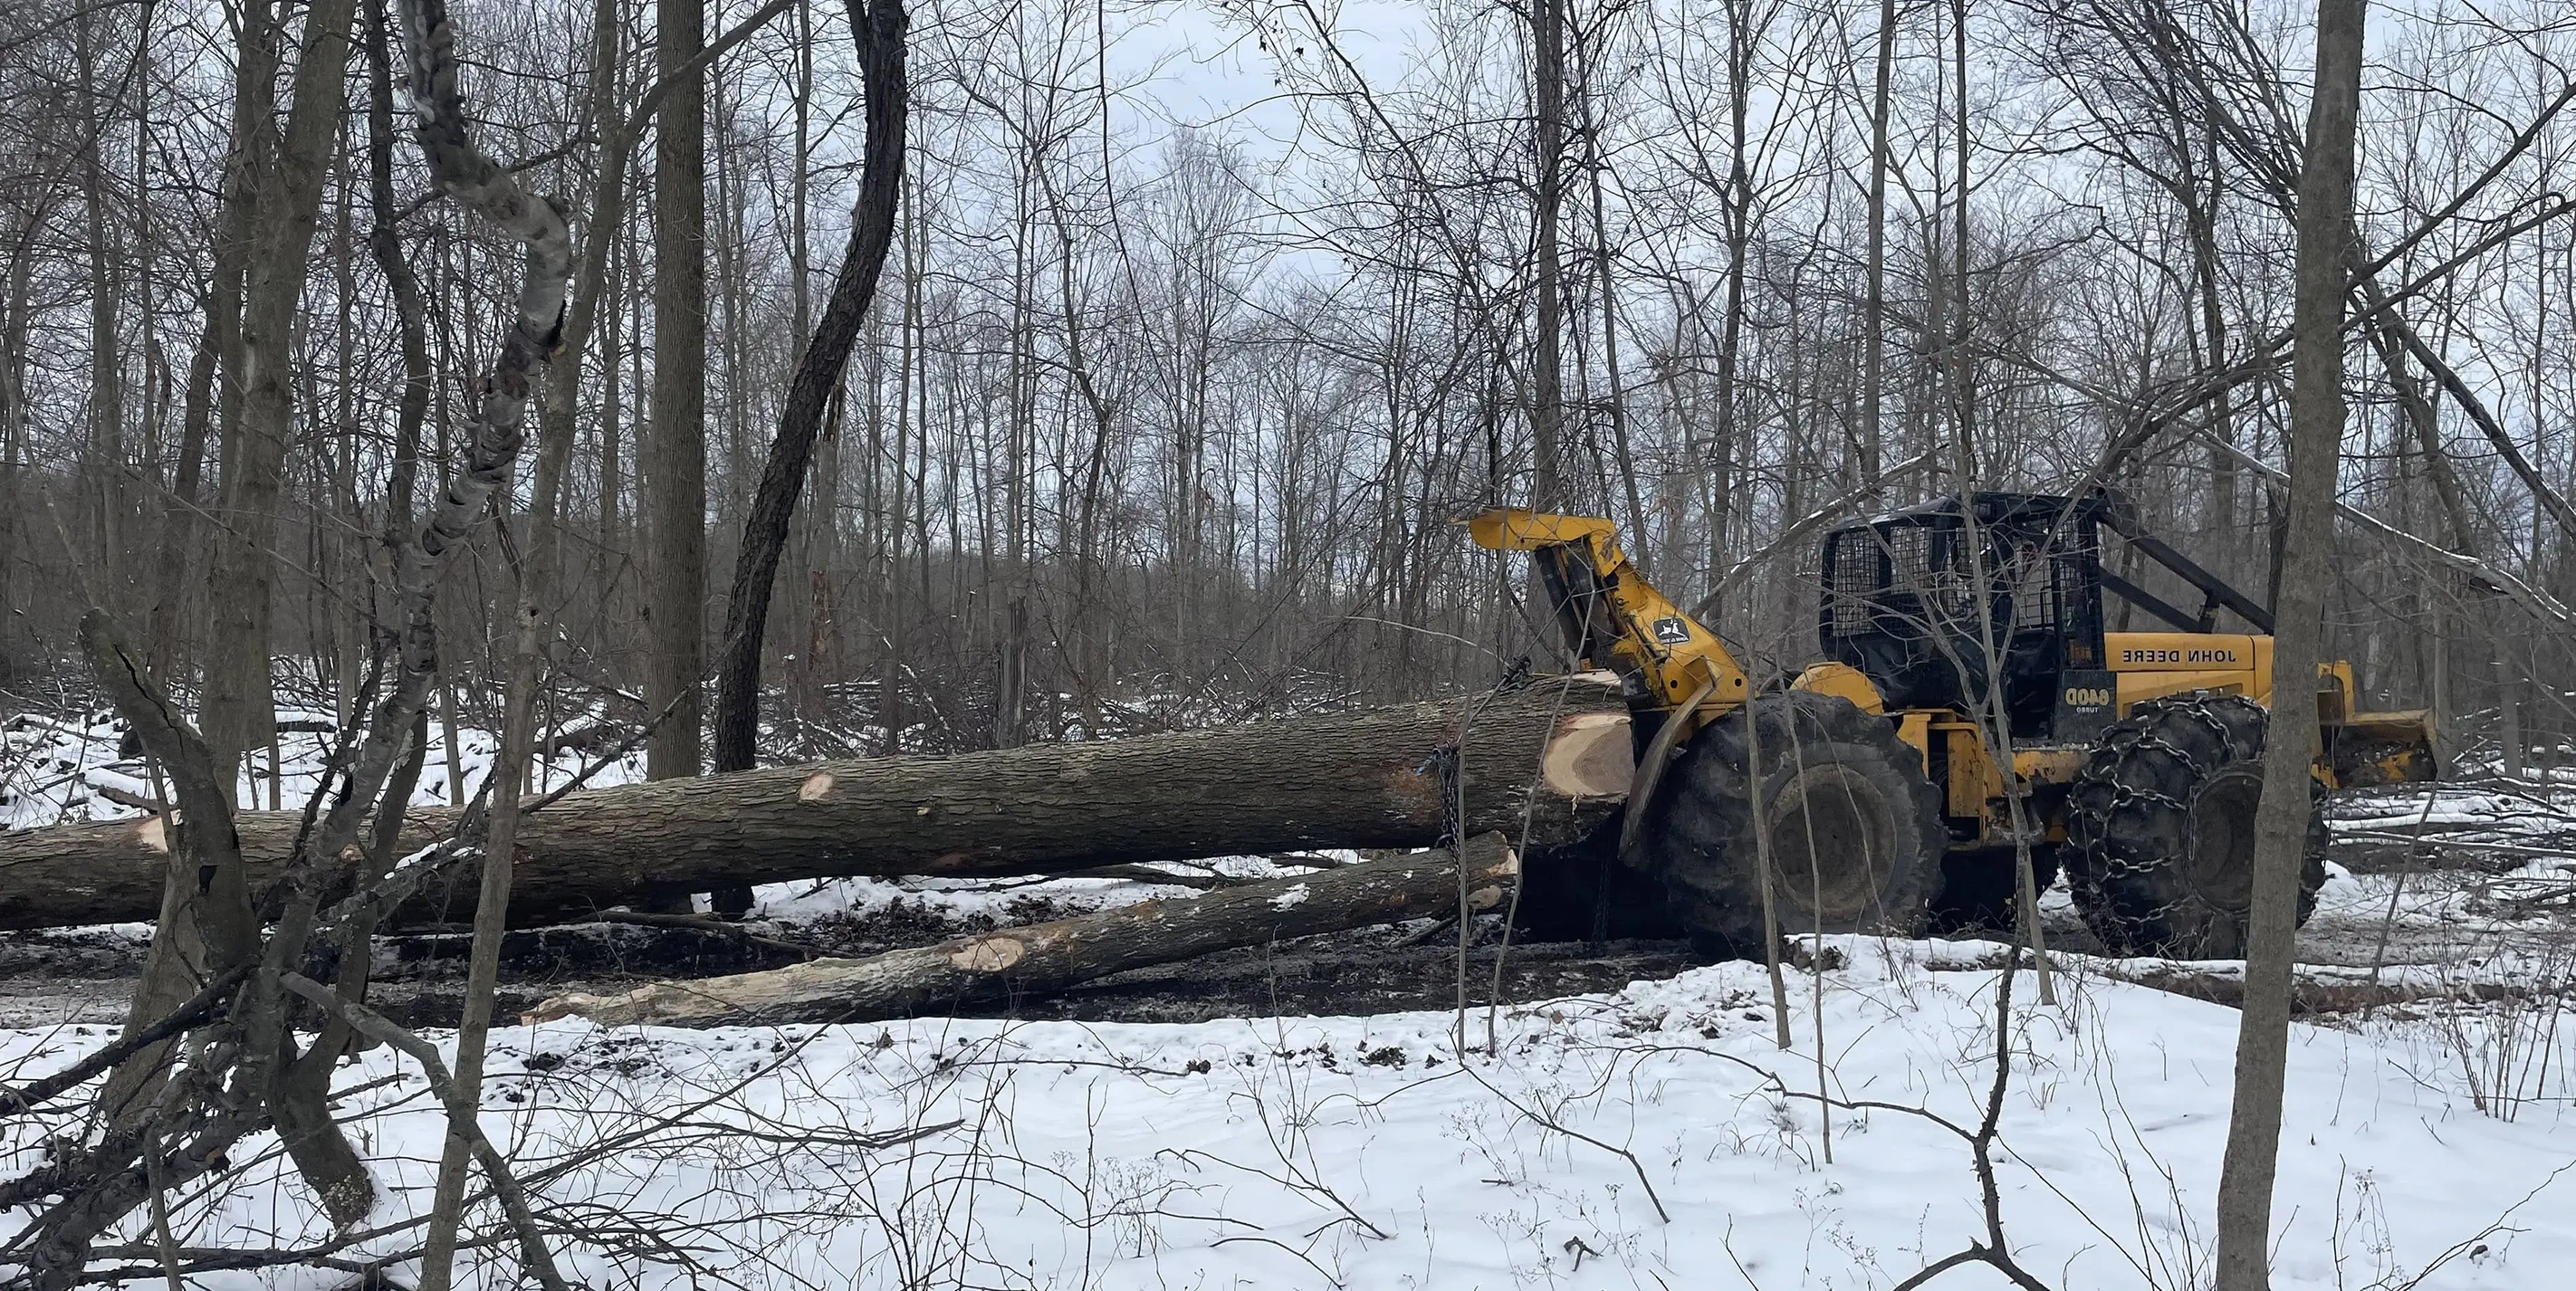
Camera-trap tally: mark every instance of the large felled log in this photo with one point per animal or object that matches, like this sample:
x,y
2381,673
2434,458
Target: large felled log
x,y
1554,752
1046,957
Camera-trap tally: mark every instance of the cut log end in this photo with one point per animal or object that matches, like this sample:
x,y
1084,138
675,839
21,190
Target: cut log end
x,y
1592,757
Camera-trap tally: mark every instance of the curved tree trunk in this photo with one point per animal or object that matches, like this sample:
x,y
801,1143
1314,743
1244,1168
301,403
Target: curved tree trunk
x,y
878,29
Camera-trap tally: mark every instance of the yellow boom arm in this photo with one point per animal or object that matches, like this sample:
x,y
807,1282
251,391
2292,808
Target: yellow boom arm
x,y
1676,673
1613,618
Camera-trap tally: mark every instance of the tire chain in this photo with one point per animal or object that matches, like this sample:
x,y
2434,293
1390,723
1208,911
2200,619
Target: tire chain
x,y
2089,824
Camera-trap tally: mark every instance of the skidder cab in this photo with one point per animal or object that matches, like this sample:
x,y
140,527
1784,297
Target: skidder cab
x,y
1969,702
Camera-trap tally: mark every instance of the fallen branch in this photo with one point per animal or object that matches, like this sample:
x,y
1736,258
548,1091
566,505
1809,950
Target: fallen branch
x,y
122,798
1047,957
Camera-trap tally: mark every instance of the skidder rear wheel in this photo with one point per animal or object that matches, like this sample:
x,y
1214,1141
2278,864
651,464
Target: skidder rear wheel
x,y
2161,827
1854,828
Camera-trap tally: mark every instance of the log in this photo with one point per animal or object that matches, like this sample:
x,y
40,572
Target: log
x,y
1047,957
1555,753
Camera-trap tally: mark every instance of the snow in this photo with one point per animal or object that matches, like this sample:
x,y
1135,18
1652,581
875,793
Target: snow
x,y
973,903
1295,896
1652,1137
1368,1152
51,769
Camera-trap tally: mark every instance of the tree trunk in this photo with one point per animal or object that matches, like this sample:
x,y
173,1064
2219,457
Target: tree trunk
x,y
178,515
878,28
675,466
2281,822
103,463
204,925
1547,429
1556,752
238,712
537,566
1048,957
1873,362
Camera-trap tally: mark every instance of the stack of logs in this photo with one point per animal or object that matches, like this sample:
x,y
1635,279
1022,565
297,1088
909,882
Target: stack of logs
x,y
1533,769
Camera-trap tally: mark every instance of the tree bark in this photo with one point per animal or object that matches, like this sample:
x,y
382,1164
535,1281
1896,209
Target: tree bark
x,y
103,462
878,28
287,186
1048,957
2280,824
384,243
178,515
1557,751
204,926
1873,361
465,174
1547,400
675,459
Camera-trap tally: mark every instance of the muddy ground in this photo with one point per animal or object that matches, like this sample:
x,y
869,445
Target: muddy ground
x,y
86,975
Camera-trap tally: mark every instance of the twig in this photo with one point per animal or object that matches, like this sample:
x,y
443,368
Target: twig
x,y
1578,1136
1994,1252
2379,952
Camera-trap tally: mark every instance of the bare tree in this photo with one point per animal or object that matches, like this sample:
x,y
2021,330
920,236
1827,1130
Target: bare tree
x,y
2325,235
675,452
878,30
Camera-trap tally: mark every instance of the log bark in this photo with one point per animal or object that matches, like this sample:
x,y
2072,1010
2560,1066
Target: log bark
x,y
1048,957
1554,755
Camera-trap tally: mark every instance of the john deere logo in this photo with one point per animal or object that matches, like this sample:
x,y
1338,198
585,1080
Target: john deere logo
x,y
2087,696
1672,631
2216,655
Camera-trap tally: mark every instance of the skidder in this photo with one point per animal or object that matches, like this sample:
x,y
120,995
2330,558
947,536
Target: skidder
x,y
1970,709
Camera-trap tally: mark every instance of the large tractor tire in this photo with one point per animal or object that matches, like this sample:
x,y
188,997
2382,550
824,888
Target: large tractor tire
x,y
1854,828
2160,828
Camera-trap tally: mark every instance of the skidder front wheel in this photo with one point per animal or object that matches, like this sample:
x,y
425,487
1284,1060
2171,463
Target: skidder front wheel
x,y
1854,829
2161,827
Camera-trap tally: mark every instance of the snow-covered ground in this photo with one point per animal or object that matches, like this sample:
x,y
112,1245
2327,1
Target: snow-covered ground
x,y
53,768
1653,1137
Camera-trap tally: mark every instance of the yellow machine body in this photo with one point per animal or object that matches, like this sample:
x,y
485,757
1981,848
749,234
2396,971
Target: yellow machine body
x,y
2355,747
